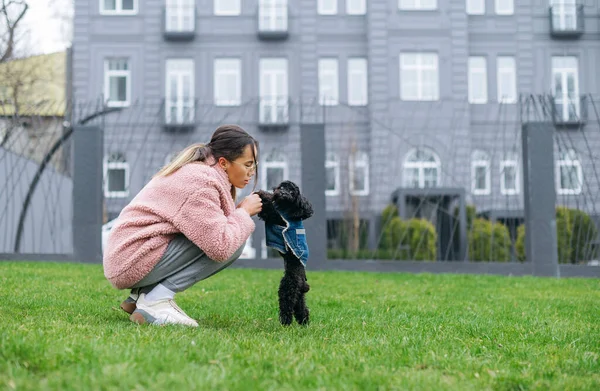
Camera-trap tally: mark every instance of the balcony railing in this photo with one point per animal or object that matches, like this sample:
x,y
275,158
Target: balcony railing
x,y
273,19
179,21
179,115
566,19
569,112
274,112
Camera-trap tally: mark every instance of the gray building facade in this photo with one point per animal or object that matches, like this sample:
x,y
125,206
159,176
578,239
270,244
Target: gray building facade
x,y
413,93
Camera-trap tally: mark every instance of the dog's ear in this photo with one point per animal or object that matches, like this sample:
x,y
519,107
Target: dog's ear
x,y
306,208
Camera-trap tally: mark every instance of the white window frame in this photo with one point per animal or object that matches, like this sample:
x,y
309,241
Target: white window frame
x,y
179,103
421,166
475,7
272,15
358,161
329,81
108,165
358,67
417,5
274,160
270,70
509,161
227,68
504,7
332,162
220,10
356,7
327,7
480,159
180,8
108,73
564,71
421,68
478,70
119,11
506,65
560,10
569,159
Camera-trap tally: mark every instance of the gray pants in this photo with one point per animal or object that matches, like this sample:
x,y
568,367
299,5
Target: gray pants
x,y
183,265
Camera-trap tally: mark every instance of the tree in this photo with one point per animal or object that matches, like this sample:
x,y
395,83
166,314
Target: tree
x,y
12,13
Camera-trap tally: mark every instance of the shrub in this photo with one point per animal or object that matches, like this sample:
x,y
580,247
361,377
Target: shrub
x,y
584,233
422,240
471,215
572,240
489,242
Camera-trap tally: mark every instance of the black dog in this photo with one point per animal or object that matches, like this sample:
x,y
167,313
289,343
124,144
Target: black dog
x,y
286,203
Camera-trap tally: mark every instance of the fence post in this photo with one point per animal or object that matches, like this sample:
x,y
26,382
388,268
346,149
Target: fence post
x,y
312,154
540,198
88,150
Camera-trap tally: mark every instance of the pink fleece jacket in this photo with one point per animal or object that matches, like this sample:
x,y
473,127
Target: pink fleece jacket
x,y
196,201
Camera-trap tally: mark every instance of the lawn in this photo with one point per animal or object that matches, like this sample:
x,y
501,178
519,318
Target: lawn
x,y
61,329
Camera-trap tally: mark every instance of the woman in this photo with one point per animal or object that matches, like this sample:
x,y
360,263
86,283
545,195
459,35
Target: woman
x,y
183,226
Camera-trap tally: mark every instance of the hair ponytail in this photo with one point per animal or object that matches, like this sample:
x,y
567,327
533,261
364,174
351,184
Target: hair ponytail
x,y
193,153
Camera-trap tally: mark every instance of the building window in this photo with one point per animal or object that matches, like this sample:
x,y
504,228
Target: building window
x,y
327,7
475,7
332,175
564,14
228,7
480,171
328,82
274,98
116,175
180,15
565,87
358,93
507,80
570,173
274,170
509,181
505,7
118,7
359,173
117,82
478,91
422,169
273,15
410,5
356,7
227,82
180,94
419,79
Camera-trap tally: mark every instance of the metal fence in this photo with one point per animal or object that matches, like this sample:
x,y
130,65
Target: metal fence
x,y
437,186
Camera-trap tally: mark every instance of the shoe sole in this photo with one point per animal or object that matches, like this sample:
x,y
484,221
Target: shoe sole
x,y
142,317
138,318
128,306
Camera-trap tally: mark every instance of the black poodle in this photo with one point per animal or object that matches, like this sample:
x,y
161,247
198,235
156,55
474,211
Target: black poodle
x,y
283,212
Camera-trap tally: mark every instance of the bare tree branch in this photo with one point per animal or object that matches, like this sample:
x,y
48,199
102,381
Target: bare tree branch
x,y
12,12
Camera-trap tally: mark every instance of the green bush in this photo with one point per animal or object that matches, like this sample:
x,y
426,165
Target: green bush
x,y
575,231
422,240
489,242
584,232
471,215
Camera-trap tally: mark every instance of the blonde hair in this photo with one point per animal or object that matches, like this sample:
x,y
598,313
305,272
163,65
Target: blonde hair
x,y
193,153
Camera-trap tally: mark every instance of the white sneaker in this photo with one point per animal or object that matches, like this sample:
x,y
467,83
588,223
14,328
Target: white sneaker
x,y
160,312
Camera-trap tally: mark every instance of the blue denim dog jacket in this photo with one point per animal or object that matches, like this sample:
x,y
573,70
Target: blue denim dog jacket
x,y
291,237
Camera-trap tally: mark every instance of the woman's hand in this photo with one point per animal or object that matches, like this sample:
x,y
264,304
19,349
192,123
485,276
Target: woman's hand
x,y
252,204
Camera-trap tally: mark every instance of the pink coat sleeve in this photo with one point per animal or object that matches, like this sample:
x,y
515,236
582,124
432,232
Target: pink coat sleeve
x,y
202,220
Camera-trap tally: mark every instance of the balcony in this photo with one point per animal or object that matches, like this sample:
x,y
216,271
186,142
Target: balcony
x,y
566,19
179,115
274,113
179,20
569,112
273,19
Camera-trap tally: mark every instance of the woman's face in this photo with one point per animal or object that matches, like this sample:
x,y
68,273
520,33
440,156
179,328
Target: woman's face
x,y
242,169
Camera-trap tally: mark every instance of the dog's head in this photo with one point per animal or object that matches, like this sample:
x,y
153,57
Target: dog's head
x,y
289,200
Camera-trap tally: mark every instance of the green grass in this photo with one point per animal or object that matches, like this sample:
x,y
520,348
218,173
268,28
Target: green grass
x,y
61,329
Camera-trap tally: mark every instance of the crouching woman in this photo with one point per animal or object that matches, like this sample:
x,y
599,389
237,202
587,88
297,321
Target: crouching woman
x,y
183,226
